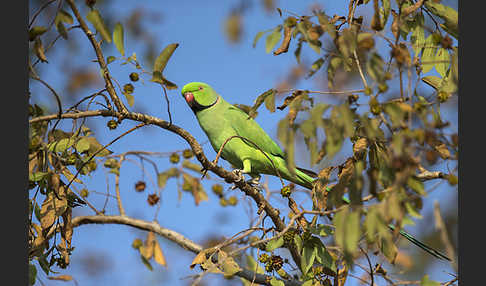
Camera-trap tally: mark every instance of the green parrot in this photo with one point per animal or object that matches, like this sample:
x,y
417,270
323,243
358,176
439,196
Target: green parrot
x,y
220,120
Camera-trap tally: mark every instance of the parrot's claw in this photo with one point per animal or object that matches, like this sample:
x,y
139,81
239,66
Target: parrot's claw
x,y
255,181
238,173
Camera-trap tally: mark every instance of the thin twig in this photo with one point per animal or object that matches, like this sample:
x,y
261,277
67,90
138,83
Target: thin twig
x,y
39,11
372,283
101,149
168,105
101,60
440,226
117,189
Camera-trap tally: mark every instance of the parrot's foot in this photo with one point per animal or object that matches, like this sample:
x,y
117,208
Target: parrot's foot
x,y
239,173
255,181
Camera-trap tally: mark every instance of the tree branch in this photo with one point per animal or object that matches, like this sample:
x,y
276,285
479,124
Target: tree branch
x,y
101,60
228,176
171,235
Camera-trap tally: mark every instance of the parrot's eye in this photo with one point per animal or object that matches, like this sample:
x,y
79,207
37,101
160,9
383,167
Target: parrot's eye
x,y
200,88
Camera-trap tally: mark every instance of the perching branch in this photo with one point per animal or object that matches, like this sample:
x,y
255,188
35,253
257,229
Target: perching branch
x,y
228,176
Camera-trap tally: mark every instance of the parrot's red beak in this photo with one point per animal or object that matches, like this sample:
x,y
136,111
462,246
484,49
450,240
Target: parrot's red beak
x,y
189,97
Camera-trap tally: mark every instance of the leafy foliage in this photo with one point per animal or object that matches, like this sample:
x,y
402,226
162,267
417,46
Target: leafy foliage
x,y
372,146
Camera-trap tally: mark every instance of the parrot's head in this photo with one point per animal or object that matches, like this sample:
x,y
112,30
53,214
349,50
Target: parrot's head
x,y
199,95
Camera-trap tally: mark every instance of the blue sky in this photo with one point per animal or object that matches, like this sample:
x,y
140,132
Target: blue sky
x,y
239,73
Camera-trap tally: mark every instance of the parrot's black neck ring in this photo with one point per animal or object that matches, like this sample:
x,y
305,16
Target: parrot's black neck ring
x,y
195,106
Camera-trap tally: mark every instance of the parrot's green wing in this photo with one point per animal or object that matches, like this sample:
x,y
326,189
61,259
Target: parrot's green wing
x,y
248,128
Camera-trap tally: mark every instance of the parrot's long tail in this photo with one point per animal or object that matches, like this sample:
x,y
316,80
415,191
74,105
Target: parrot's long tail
x,y
418,243
413,240
304,178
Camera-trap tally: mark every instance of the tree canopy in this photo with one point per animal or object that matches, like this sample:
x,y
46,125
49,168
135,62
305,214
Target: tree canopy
x,y
366,98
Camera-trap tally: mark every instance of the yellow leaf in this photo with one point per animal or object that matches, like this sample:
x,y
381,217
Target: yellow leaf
x,y
228,264
443,151
200,258
158,255
147,250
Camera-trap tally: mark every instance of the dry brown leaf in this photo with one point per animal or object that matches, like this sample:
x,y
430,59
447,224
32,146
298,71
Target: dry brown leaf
x,y
284,47
61,277
53,207
158,255
359,148
147,250
443,151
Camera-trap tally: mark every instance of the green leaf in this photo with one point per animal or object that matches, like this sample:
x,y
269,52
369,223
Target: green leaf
x,y
39,50
322,230
376,67
315,67
61,145
118,38
253,265
339,223
273,39
162,179
36,31
263,98
110,59
385,11
228,264
324,22
334,63
274,244
95,18
347,43
448,14
427,282
65,17
416,185
44,264
32,274
82,145
146,262
389,249
297,52
442,60
298,243
418,34
275,282
94,146
371,224
433,81
308,256
308,283
412,211
325,258
270,102
428,54
62,30
163,58
353,232
258,36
